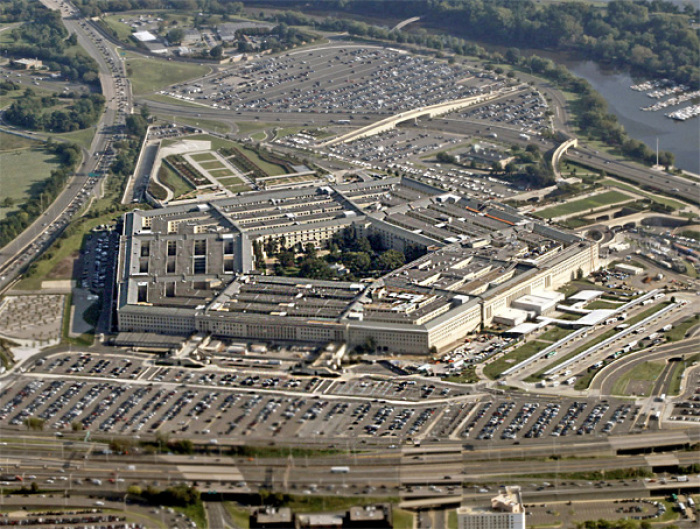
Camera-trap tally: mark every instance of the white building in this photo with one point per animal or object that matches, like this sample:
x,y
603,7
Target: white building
x,y
145,36
506,512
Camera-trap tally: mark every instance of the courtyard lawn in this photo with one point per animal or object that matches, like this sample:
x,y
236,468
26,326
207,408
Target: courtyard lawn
x,y
221,173
203,157
148,75
215,164
579,206
169,178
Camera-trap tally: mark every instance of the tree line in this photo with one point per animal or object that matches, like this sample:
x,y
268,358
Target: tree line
x,y
93,8
29,111
652,38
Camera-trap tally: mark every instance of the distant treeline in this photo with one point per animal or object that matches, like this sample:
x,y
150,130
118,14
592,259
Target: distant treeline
x,y
28,112
219,7
652,38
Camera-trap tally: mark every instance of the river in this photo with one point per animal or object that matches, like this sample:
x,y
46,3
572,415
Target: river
x,y
682,138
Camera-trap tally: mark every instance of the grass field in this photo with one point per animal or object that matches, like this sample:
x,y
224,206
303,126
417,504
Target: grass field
x,y
169,178
678,373
81,137
239,515
656,198
555,334
148,75
215,164
246,128
602,305
678,331
646,372
512,358
222,173
203,157
122,30
578,206
21,172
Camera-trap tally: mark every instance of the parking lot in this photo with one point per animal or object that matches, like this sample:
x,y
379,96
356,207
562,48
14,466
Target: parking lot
x,y
123,396
525,111
338,79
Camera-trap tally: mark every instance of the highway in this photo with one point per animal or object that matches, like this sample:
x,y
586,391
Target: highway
x,y
112,84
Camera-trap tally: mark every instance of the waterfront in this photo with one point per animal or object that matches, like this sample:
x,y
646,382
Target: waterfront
x,y
681,138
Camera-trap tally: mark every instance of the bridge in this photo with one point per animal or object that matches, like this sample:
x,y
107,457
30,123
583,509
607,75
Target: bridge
x,y
430,111
556,157
405,23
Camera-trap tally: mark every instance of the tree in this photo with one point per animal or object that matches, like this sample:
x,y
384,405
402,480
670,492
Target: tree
x,y
217,51
391,260
176,35
8,202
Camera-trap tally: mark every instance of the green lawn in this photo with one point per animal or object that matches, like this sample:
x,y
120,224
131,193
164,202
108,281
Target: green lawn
x,y
239,515
230,180
148,75
122,30
578,206
678,371
246,128
602,305
647,371
81,137
513,358
305,504
404,519
678,331
216,164
221,174
21,172
178,185
656,198
203,157
555,334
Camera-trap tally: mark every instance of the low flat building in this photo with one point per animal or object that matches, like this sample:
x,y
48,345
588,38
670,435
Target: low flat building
x,y
628,269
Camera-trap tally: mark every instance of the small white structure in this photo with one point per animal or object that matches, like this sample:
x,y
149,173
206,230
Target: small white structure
x,y
145,36
540,303
510,317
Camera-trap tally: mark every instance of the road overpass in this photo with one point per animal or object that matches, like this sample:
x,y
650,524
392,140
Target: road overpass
x,y
429,111
556,157
405,23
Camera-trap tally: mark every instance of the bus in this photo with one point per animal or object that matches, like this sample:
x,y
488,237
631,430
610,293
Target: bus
x,y
340,470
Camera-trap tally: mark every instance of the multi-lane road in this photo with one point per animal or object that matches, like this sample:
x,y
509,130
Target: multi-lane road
x,y
30,243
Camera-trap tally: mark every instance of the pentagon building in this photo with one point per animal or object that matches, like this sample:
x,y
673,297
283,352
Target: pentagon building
x,y
191,267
